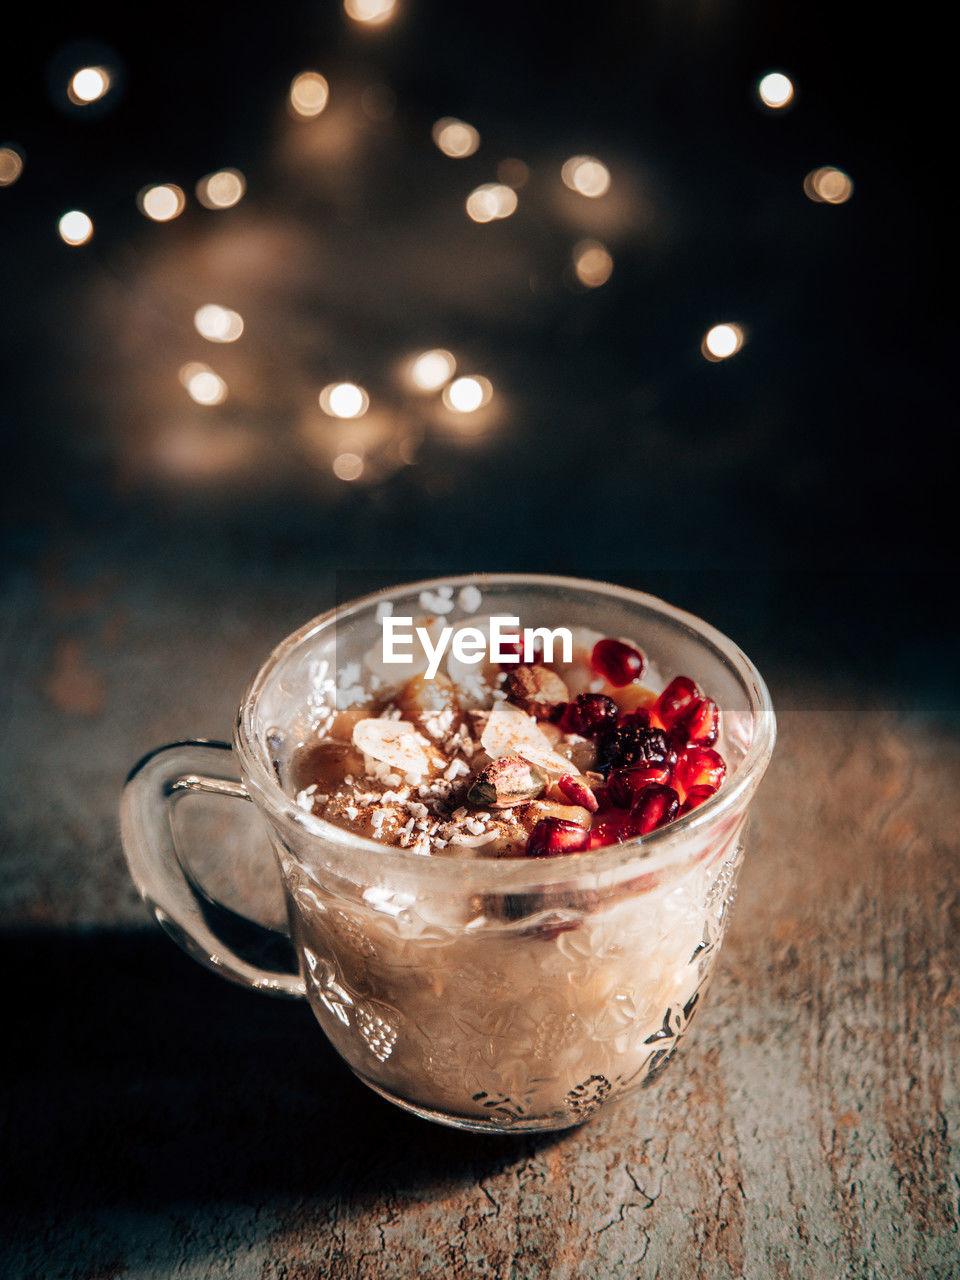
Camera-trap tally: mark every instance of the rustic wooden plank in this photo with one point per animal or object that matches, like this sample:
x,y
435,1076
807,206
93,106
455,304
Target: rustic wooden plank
x,y
167,1124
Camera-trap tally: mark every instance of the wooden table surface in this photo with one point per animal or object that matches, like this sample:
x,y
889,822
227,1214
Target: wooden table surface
x,y
158,1122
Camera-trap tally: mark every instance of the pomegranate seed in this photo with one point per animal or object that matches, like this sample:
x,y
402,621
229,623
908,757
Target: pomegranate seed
x,y
696,797
701,724
676,700
700,767
623,785
633,744
589,714
577,792
614,830
655,806
617,662
552,836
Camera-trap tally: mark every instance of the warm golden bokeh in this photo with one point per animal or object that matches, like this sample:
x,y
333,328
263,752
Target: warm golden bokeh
x,y
828,185
75,227
722,341
221,190
162,203
309,94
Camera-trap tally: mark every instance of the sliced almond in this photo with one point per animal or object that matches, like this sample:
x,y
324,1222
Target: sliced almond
x,y
511,732
398,744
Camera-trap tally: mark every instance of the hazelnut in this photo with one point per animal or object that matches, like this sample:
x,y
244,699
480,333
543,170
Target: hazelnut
x,y
535,690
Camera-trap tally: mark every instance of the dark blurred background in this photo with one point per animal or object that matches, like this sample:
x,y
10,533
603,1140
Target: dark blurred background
x,y
173,505
799,492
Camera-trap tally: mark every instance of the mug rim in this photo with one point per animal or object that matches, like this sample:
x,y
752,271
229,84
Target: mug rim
x,y
670,841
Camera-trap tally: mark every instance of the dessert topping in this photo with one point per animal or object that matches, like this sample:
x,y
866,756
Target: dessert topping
x,y
505,782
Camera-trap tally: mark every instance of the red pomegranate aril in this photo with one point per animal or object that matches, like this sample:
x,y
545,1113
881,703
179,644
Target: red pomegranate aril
x,y
654,807
677,699
589,714
702,723
552,836
577,792
613,830
617,662
696,797
623,785
700,767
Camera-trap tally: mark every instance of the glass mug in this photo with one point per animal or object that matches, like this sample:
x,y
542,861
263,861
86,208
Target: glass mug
x,y
487,994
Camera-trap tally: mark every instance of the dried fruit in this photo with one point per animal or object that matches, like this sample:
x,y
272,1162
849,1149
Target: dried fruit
x,y
535,690
552,836
505,782
654,807
589,714
624,785
577,792
677,700
632,743
700,767
617,662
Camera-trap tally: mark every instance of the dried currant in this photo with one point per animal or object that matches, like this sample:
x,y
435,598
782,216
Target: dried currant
x,y
589,714
631,743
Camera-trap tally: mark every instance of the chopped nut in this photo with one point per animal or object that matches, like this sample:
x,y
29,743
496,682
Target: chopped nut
x,y
511,732
535,689
505,782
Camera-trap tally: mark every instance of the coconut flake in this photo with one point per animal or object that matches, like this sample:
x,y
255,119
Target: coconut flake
x,y
395,743
511,732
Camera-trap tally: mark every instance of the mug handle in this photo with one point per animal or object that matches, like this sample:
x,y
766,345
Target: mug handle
x,y
206,929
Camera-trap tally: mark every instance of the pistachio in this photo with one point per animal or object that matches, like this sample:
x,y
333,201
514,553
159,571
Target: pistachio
x,y
535,689
504,782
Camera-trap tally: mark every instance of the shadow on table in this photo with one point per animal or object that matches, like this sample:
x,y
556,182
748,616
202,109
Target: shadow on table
x,y
135,1079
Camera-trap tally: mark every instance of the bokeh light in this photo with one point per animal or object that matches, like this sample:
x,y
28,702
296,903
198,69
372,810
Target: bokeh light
x,y
586,175
432,369
828,185
455,138
11,165
218,324
348,466
775,90
466,395
309,94
162,203
491,201
370,12
87,85
592,263
344,400
221,190
202,384
75,227
722,341
513,172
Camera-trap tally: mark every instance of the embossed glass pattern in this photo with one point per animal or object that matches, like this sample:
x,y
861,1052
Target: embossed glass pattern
x,y
512,993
